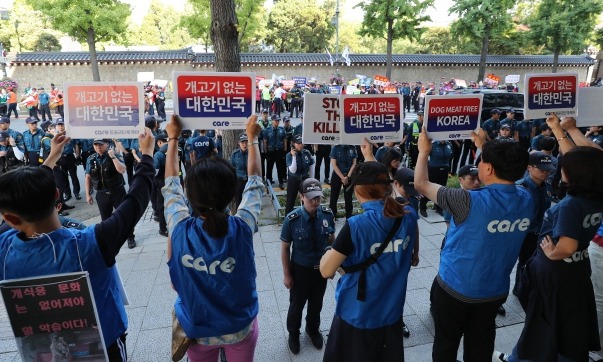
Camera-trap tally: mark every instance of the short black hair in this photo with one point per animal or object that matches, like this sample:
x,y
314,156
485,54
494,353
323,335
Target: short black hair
x,y
547,143
543,127
583,167
508,158
28,192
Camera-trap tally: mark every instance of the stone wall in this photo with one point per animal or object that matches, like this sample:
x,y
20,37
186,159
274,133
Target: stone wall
x,y
43,75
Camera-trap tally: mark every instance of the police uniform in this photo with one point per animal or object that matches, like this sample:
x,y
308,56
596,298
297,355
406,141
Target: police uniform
x,y
263,151
492,128
275,147
129,159
308,236
524,131
13,158
86,147
303,162
296,100
17,136
239,160
414,130
344,156
33,142
439,167
68,166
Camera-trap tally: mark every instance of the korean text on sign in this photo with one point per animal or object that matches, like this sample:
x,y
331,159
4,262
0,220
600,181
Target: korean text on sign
x,y
368,115
551,93
103,106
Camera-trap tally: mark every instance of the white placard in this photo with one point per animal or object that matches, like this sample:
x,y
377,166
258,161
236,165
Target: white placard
x,y
589,103
321,119
452,117
145,76
552,92
377,117
512,79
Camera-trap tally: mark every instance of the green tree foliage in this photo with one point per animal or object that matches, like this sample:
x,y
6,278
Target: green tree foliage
x,y
89,21
23,28
47,43
394,19
300,26
160,28
563,26
249,14
479,21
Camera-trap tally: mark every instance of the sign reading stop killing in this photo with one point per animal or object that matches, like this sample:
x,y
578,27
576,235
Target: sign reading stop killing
x,y
452,117
321,119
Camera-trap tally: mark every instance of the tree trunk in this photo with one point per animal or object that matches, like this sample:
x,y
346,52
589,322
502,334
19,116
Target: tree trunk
x,y
484,54
224,35
390,41
555,59
92,49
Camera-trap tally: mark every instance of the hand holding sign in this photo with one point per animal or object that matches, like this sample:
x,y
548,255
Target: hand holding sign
x,y
568,123
146,142
253,129
174,127
424,143
479,138
553,121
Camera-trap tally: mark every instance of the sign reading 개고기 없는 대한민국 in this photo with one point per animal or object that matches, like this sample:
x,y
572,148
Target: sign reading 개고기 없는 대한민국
x,y
550,93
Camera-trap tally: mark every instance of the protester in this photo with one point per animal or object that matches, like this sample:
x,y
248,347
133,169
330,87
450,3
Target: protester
x,y
39,241
211,257
367,325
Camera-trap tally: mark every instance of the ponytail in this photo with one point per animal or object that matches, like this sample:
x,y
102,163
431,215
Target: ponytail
x,y
392,208
215,223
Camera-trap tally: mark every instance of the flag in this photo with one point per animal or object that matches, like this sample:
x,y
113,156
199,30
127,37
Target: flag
x,y
346,56
330,57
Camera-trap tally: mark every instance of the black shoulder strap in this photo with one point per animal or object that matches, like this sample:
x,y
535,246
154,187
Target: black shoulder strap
x,y
361,296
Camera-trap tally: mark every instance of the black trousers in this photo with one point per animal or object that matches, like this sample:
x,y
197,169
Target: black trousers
x,y
59,180
108,200
310,286
438,175
527,250
276,157
67,163
130,162
264,160
293,183
413,154
295,107
45,111
406,103
160,109
456,156
350,344
267,105
336,186
322,154
117,351
34,158
467,153
159,204
60,111
12,107
454,319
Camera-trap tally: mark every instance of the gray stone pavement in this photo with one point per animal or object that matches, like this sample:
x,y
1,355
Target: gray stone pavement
x,y
145,275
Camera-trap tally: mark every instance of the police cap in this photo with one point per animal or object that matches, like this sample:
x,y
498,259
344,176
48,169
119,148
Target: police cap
x,y
31,120
4,120
100,141
243,138
161,137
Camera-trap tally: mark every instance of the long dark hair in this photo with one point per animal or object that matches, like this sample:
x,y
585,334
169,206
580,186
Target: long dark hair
x,y
391,155
210,187
379,191
583,167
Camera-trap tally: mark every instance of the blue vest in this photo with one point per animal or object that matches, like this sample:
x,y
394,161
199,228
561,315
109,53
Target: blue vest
x,y
202,146
480,253
214,278
385,280
441,154
38,256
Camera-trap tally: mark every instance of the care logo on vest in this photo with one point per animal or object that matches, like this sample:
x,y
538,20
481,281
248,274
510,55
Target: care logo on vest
x,y
199,264
508,226
393,246
591,220
202,144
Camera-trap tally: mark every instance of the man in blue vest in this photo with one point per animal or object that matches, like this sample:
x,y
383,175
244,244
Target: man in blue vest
x,y
306,232
486,233
40,242
202,147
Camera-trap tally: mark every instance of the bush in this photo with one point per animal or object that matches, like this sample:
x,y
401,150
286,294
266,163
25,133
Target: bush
x,y
9,83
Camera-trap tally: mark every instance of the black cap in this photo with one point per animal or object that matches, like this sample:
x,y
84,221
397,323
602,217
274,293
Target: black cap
x,y
150,118
511,110
468,170
297,139
60,121
406,178
4,120
31,120
505,126
161,137
264,110
274,117
368,173
495,111
101,141
420,113
286,119
44,125
243,138
541,161
4,136
311,188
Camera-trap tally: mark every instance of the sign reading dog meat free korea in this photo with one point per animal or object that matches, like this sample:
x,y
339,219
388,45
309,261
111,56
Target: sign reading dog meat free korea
x,y
378,117
213,100
321,119
452,117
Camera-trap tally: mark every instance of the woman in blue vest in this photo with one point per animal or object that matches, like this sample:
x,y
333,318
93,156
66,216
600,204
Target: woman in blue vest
x,y
561,316
211,257
367,325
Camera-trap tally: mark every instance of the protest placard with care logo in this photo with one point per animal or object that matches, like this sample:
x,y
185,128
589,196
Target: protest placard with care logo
x,y
452,117
377,117
321,119
211,100
547,93
104,109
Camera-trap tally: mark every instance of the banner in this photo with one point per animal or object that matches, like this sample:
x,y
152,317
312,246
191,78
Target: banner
x,y
321,119
54,318
377,117
211,100
381,80
452,117
104,109
334,89
287,84
554,92
512,79
492,80
589,103
300,81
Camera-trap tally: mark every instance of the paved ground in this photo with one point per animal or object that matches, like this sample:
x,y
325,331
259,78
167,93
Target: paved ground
x,y
145,275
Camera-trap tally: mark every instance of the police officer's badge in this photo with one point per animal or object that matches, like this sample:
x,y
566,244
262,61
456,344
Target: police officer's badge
x,y
325,223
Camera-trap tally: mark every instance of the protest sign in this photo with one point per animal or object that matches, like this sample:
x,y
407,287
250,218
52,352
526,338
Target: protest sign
x,y
300,81
460,83
321,119
452,117
210,100
145,77
546,93
104,109
381,80
334,89
492,80
54,317
511,79
377,117
589,101
287,84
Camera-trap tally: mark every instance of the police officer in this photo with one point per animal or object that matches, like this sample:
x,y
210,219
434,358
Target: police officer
x,y
104,173
288,133
68,166
11,156
296,99
274,142
343,161
129,159
17,136
299,167
510,120
84,149
492,125
414,129
264,122
505,133
33,141
239,161
523,133
59,175
159,180
306,232
439,167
